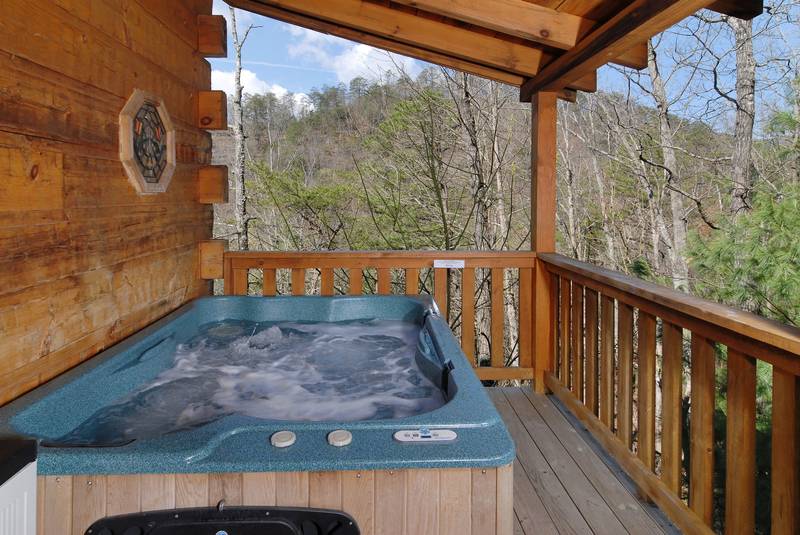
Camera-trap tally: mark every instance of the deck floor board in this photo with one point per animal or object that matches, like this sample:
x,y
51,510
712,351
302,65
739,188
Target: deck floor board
x,y
561,484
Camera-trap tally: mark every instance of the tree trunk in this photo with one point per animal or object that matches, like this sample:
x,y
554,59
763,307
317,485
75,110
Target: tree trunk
x,y
239,187
680,268
742,161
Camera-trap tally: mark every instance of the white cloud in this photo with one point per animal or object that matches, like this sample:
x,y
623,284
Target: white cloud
x,y
346,59
252,84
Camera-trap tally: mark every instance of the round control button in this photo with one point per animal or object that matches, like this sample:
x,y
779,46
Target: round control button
x,y
340,437
282,439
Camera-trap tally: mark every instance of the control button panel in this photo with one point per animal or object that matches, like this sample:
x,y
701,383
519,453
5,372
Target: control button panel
x,y
423,435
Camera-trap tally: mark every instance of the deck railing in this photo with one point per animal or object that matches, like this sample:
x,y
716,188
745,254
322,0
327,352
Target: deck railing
x,y
616,336
462,282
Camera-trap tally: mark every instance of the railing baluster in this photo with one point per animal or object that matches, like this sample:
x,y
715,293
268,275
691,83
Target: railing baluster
x,y
740,440
412,281
384,281
785,442
240,281
298,281
326,283
563,332
468,313
269,284
577,340
356,281
672,416
525,317
440,290
646,400
497,315
625,409
607,361
701,431
591,305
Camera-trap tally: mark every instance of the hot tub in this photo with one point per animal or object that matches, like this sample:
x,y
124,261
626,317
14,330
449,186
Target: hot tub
x,y
238,398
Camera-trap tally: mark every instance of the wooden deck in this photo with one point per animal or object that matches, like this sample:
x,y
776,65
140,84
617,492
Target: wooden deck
x,y
563,482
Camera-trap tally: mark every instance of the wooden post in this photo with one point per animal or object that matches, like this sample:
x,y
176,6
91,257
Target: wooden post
x,y
543,228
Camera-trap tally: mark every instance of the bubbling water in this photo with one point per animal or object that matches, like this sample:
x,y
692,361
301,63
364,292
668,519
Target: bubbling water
x,y
345,371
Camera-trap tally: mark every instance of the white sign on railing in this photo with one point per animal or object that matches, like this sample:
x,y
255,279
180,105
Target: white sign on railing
x,y
448,264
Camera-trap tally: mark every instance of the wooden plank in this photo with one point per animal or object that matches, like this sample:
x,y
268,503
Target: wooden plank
x,y
212,184
498,313
741,9
701,428
325,490
404,26
565,299
258,488
607,343
646,399
785,484
326,283
122,494
191,490
240,282
486,373
212,36
468,314
625,506
576,344
212,110
157,491
412,281
440,291
292,489
384,281
88,501
625,392
547,486
592,379
505,500
526,326
672,415
269,285
748,333
484,502
225,487
740,443
56,505
356,282
531,514
455,494
358,499
633,24
378,259
390,502
298,281
683,517
211,254
544,298
590,503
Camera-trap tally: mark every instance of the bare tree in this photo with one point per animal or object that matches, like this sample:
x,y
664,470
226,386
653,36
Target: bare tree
x,y
742,169
239,162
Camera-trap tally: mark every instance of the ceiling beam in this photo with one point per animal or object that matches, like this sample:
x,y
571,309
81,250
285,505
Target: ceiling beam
x,y
741,9
528,21
636,23
379,20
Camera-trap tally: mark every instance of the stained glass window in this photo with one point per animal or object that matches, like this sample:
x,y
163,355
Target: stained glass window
x,y
149,143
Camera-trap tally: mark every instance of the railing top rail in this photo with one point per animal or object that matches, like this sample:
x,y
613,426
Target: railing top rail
x,y
431,254
738,322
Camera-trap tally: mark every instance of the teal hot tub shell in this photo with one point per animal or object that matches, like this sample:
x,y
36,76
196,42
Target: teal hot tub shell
x,y
236,443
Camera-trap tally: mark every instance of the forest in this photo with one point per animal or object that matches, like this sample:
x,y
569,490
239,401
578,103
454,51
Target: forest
x,y
686,174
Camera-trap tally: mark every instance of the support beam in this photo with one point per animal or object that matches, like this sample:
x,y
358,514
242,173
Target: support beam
x,y
425,34
212,110
212,36
528,21
636,23
211,256
212,184
741,9
544,140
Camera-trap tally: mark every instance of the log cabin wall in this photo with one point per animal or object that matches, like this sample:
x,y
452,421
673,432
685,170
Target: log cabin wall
x,y
84,260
